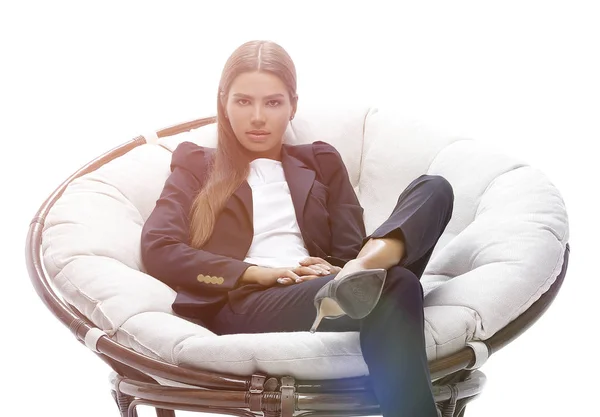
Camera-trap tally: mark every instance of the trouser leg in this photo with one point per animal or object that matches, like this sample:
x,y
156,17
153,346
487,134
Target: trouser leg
x,y
419,218
392,340
392,336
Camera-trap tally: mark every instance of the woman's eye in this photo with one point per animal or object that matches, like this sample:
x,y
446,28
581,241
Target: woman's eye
x,y
243,101
273,103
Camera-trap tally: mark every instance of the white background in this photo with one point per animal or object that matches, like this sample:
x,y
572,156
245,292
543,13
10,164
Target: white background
x,y
78,78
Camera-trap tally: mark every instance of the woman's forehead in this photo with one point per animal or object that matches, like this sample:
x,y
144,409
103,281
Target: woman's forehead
x,y
257,85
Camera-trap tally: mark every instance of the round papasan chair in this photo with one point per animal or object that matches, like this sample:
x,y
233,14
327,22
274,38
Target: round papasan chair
x,y
495,270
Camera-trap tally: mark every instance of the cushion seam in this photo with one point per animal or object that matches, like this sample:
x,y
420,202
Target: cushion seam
x,y
97,303
134,338
560,258
491,183
444,148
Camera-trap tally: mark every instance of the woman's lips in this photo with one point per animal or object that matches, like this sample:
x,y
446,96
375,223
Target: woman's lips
x,y
258,137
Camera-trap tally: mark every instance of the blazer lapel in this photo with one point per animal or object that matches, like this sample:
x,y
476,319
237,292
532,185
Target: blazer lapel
x,y
300,179
244,197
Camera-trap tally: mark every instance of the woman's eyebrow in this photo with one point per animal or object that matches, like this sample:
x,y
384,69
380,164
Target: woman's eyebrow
x,y
242,95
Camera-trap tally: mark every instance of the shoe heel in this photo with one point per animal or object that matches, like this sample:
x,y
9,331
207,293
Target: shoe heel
x,y
327,308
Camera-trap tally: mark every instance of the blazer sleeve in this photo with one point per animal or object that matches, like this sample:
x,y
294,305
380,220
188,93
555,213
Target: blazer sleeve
x,y
345,212
165,249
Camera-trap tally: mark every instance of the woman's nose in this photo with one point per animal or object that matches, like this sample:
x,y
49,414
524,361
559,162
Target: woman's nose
x,y
258,115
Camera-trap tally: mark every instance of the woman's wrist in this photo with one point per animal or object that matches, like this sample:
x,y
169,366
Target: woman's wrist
x,y
249,275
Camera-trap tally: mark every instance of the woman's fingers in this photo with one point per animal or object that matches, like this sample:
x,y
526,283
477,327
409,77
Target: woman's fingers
x,y
307,278
323,268
311,260
317,263
306,270
303,273
287,277
311,270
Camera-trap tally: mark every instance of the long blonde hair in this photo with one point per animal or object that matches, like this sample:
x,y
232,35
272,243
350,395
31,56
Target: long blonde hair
x,y
230,167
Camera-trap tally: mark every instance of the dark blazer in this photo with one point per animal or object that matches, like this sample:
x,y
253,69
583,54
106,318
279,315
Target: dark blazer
x,y
327,209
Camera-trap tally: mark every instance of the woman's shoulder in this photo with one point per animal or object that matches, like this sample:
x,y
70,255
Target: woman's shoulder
x,y
191,157
324,148
327,156
322,157
317,148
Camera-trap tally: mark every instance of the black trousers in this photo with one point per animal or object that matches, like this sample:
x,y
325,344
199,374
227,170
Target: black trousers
x,y
392,336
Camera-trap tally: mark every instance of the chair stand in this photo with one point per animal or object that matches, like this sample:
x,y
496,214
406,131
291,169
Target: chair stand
x,y
283,397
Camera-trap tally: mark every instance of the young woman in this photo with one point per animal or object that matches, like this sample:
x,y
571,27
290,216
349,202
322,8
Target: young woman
x,y
260,236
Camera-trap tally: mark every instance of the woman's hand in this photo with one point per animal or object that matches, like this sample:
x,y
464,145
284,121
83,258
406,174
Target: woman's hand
x,y
315,263
309,268
269,276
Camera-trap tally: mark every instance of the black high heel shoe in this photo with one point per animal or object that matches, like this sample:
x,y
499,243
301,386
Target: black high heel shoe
x,y
354,295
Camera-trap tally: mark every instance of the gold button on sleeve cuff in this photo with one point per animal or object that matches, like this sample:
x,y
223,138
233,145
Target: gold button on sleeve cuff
x,y
207,279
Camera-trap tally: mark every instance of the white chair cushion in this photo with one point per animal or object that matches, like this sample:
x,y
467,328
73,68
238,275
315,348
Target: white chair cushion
x,y
502,249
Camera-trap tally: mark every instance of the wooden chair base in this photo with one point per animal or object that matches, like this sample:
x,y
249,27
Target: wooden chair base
x,y
287,401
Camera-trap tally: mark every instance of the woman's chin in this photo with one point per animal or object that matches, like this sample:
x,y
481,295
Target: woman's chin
x,y
261,147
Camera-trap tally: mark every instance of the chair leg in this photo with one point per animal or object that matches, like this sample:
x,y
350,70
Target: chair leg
x,y
461,406
161,412
123,402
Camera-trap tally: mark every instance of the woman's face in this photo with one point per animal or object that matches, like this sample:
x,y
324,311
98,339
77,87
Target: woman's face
x,y
259,109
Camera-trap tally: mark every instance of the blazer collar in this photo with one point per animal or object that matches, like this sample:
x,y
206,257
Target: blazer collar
x,y
299,177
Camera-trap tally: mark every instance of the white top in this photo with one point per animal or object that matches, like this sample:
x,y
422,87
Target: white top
x,y
277,240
